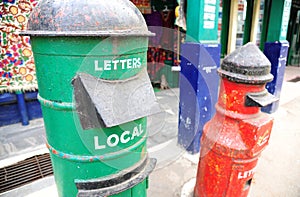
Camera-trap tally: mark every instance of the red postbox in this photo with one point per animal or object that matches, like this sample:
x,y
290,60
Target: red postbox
x,y
233,140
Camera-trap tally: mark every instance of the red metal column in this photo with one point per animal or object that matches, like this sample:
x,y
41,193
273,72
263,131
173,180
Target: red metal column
x,y
233,140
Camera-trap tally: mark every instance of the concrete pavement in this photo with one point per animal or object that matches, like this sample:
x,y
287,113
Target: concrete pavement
x,y
278,170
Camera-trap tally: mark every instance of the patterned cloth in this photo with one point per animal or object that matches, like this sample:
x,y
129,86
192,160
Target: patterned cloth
x,y
143,5
17,69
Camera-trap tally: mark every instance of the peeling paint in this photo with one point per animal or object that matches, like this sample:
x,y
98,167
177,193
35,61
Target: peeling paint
x,y
234,139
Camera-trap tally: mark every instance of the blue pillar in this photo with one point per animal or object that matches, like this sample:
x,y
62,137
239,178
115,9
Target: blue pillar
x,y
198,84
277,53
22,108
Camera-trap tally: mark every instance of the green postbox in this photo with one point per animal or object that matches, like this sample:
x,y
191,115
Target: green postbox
x,y
95,93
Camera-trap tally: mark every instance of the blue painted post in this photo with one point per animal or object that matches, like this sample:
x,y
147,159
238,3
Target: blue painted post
x,y
199,83
9,113
277,53
22,108
200,58
275,45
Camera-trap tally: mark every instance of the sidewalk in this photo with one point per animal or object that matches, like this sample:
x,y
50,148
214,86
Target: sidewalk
x,y
278,170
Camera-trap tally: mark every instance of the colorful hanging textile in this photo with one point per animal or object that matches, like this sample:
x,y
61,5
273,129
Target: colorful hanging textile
x,y
17,69
143,5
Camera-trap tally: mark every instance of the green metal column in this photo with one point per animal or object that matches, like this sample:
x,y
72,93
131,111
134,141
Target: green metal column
x,y
293,34
225,26
202,21
78,154
275,23
275,45
248,21
94,90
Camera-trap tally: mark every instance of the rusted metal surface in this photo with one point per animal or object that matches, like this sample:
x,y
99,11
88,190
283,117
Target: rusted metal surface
x,y
233,140
86,18
247,65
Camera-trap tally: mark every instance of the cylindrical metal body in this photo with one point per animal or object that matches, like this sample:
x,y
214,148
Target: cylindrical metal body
x,y
107,40
233,140
77,153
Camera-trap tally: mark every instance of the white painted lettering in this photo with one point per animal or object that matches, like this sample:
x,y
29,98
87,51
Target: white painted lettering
x,y
97,146
113,140
123,63
135,133
141,129
210,8
209,16
134,63
115,62
209,69
139,63
211,1
97,66
209,25
122,139
107,65
129,63
246,174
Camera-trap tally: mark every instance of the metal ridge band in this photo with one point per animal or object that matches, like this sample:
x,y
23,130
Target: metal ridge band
x,y
247,79
116,183
56,105
87,33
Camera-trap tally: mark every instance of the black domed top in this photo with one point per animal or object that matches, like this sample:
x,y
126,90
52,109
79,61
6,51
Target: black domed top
x,y
248,65
86,18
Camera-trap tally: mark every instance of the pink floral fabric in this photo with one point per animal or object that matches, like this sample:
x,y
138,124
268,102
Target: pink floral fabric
x,y
17,69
